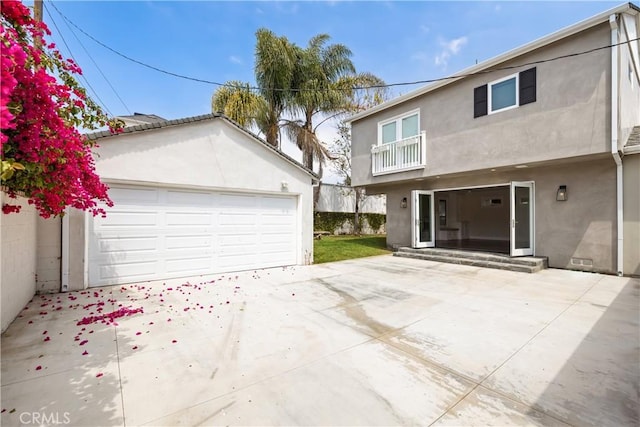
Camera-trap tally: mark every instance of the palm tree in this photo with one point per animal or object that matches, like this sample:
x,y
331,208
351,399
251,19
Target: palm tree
x,y
237,101
274,70
264,107
302,83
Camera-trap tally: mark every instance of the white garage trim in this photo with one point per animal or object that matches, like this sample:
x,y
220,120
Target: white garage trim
x,y
162,232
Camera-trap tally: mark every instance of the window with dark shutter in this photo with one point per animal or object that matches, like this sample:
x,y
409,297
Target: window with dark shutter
x,y
480,101
528,86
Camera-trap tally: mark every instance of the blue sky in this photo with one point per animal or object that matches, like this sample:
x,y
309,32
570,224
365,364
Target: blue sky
x,y
214,40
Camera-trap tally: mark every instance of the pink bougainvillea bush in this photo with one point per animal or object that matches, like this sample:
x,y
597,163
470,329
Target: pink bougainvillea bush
x,y
42,106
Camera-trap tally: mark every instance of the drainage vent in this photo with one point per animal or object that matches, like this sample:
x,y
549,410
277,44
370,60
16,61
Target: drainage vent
x,y
583,262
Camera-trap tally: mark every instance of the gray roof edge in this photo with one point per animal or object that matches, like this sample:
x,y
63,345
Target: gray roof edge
x,y
194,119
633,140
491,62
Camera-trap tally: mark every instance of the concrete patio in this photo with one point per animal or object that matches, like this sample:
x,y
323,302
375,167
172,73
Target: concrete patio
x,y
375,341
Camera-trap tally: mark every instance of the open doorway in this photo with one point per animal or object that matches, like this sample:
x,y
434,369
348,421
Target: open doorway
x,y
497,218
474,219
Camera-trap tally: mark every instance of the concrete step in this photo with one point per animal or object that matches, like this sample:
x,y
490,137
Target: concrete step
x,y
478,259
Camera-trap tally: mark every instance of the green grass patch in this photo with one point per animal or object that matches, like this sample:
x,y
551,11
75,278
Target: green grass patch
x,y
337,248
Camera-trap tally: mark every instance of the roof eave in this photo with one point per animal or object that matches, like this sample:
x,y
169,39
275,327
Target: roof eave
x,y
196,119
536,44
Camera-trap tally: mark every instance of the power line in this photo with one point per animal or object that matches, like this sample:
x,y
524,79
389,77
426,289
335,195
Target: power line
x,y
92,60
386,85
82,76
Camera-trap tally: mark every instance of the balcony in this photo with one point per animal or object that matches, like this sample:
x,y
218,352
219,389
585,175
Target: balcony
x,y
398,156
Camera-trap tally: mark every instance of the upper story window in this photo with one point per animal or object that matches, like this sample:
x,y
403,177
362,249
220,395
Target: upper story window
x,y
503,94
506,93
399,127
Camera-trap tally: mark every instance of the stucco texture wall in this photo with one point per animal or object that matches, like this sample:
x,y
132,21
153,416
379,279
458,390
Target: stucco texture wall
x,y
629,88
583,227
631,213
210,154
570,117
18,258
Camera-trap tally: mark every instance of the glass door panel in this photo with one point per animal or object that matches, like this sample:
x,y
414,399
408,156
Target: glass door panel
x,y
423,226
522,218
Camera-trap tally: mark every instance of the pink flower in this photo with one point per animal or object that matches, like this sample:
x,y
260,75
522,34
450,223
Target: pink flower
x,y
38,367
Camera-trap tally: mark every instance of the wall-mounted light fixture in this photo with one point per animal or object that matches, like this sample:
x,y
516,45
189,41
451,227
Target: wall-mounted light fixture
x,y
403,203
284,186
562,195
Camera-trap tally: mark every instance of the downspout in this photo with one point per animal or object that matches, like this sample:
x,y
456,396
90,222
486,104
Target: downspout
x,y
613,23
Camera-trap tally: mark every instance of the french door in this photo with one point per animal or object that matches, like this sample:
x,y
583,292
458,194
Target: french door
x,y
422,219
522,218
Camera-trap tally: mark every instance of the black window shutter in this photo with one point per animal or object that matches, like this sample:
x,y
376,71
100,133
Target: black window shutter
x,y
528,86
480,101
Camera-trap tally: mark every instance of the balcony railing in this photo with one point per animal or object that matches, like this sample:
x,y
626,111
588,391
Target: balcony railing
x,y
398,156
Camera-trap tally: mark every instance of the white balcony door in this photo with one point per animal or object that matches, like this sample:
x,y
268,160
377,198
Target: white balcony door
x,y
422,219
522,218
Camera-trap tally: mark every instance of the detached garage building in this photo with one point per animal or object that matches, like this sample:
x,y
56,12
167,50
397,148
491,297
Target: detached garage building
x,y
192,197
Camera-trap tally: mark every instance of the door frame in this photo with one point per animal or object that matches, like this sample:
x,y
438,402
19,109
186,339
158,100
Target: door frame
x,y
415,220
513,222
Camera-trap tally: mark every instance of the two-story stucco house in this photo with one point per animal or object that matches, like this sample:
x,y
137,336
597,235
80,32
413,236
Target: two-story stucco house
x,y
533,152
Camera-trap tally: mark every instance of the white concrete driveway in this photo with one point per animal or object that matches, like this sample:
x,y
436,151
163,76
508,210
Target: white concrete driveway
x,y
375,341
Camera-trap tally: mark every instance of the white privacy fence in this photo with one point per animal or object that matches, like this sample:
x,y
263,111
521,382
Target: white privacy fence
x,y
338,198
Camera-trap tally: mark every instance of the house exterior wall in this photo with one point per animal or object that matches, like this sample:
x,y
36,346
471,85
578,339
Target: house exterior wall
x,y
570,117
582,227
631,214
18,248
211,154
629,67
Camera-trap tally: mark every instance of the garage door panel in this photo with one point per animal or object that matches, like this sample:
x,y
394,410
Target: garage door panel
x,y
128,244
234,217
237,201
178,242
271,238
139,270
136,195
189,265
247,239
188,219
238,261
160,233
268,220
130,218
189,198
278,203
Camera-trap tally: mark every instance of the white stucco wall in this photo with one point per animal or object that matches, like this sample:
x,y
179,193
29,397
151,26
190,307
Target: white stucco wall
x,y
629,82
18,255
210,154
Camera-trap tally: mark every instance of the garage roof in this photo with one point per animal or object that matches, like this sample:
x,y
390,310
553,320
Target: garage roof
x,y
176,122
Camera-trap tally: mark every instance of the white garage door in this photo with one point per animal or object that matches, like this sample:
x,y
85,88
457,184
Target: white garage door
x,y
160,233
